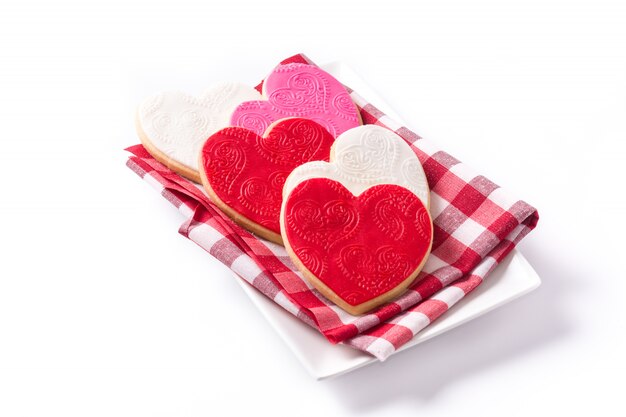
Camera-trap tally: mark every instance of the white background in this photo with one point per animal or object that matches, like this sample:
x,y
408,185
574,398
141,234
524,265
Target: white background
x,y
106,311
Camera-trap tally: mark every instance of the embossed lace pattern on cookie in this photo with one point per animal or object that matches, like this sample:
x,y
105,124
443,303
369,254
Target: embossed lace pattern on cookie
x,y
359,246
299,90
177,124
247,171
366,156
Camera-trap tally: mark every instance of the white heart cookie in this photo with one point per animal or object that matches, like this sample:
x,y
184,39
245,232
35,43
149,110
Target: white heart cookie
x,y
363,157
173,125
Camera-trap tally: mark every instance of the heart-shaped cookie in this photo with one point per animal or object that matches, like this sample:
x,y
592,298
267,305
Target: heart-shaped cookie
x,y
359,251
300,90
173,126
358,226
244,173
366,156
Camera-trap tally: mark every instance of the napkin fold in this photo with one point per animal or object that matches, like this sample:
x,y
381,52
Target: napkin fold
x,y
476,224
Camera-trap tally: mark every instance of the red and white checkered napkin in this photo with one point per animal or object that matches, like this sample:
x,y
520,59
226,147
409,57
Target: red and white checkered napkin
x,y
476,225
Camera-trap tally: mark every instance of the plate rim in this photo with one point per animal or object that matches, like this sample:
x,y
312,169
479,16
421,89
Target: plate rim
x,y
361,359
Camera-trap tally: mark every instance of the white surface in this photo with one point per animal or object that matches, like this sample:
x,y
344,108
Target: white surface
x,y
105,310
511,279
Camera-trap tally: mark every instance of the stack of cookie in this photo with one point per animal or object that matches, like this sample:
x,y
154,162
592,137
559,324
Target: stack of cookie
x,y
295,165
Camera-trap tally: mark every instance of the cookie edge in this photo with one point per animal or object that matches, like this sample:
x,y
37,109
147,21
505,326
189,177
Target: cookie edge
x,y
177,167
234,215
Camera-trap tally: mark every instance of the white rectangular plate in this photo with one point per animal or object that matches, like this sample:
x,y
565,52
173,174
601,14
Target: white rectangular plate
x,y
513,278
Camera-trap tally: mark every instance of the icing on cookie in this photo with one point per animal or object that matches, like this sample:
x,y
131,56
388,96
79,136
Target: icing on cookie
x,y
299,90
360,250
244,173
364,157
176,124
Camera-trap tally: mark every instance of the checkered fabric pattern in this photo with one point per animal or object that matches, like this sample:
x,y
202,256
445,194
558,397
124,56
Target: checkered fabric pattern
x,y
476,224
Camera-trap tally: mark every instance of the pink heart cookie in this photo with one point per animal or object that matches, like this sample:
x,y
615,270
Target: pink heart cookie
x,y
299,90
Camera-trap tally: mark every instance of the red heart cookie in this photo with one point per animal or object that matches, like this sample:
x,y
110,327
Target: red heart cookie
x,y
361,250
244,173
